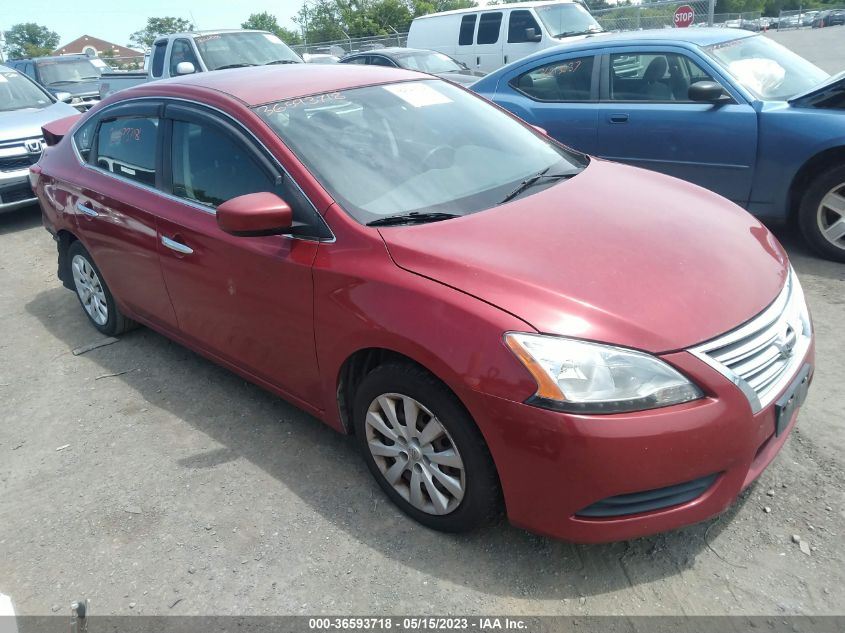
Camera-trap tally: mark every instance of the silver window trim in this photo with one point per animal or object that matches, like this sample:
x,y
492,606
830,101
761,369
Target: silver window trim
x,y
191,203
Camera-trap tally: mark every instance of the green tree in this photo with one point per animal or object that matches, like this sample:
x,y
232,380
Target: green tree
x,y
30,40
266,21
424,7
156,27
320,21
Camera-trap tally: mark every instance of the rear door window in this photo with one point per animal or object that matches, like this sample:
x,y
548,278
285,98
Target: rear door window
x,y
489,27
128,146
467,29
565,80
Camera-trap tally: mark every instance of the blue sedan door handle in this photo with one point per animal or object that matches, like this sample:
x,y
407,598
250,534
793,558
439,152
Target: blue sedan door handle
x,y
618,118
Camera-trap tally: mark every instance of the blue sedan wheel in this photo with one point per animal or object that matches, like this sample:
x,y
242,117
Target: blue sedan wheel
x,y
822,214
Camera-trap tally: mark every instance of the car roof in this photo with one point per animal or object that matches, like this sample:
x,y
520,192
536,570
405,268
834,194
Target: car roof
x,y
695,36
267,84
498,7
190,34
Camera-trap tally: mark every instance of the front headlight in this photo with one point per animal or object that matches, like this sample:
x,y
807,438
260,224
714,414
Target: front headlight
x,y
583,377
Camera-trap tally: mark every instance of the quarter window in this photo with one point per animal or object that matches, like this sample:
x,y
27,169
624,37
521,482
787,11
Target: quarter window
x,y
518,23
566,80
127,147
489,27
653,77
157,64
467,29
84,139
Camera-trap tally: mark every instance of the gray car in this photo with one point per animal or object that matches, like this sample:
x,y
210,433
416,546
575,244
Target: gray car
x,y
418,59
24,108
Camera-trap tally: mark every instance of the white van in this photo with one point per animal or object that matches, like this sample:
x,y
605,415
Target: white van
x,y
486,38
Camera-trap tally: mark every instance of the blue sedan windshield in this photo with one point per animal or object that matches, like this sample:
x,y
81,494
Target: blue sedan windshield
x,y
765,68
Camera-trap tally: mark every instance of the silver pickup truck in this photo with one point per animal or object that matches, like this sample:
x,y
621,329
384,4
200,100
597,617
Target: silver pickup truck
x,y
186,53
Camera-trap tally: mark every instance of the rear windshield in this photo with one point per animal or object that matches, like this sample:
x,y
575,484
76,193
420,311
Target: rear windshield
x,y
424,146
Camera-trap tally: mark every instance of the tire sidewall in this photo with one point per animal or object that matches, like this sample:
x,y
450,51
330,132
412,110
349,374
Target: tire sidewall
x,y
110,326
808,213
480,494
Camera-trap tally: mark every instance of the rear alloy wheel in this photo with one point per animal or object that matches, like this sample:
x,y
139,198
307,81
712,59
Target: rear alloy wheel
x,y
94,294
424,450
822,214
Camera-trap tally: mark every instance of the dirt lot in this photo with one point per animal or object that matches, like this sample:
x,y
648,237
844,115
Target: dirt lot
x,y
181,489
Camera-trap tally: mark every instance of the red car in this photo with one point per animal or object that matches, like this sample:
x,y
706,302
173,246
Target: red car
x,y
502,322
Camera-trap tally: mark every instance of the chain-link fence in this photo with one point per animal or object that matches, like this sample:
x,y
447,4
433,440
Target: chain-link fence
x,y
654,15
352,45
804,19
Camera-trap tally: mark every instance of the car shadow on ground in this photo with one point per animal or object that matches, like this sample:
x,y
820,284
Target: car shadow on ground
x,y
19,219
324,469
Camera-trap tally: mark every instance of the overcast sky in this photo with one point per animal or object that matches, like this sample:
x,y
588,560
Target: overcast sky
x,y
115,20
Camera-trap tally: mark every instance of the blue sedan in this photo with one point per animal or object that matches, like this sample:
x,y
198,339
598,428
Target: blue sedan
x,y
728,110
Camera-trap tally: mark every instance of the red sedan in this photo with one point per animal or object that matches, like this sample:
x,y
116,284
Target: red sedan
x,y
502,322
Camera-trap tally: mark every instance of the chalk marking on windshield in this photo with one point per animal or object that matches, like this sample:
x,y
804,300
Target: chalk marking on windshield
x,y
281,106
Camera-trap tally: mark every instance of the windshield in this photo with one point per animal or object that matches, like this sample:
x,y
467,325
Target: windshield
x,y
429,62
568,18
424,146
17,92
243,49
57,73
767,69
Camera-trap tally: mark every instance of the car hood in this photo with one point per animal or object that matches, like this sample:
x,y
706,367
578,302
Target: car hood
x,y
615,254
828,94
17,124
82,88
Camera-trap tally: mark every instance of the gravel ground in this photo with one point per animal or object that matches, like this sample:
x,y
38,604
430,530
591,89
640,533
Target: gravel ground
x,y
177,488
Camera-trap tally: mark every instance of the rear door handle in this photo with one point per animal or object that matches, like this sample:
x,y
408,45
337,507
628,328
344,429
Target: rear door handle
x,y
173,245
618,118
86,210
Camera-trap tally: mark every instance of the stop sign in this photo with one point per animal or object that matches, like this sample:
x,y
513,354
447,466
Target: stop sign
x,y
684,16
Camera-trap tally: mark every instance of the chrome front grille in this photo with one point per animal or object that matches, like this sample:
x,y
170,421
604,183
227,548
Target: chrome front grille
x,y
761,356
20,154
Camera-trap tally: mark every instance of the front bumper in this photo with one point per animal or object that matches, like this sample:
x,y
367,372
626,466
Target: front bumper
x,y
554,465
15,190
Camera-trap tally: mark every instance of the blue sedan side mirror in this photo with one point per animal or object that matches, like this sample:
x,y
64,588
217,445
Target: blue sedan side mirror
x,y
707,91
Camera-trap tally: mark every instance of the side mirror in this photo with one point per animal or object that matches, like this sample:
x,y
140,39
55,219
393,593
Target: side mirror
x,y
706,91
254,215
63,96
531,35
185,68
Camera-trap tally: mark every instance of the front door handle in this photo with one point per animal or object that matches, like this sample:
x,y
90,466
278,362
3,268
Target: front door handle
x,y
618,118
173,245
86,210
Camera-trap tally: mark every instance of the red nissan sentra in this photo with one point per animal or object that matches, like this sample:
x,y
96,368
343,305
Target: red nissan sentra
x,y
502,322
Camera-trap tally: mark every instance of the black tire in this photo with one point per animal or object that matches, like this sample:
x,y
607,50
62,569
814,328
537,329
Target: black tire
x,y
808,215
116,323
482,499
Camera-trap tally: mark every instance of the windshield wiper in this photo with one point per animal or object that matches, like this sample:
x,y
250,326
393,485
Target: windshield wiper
x,y
414,217
59,82
573,33
241,65
281,61
533,180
